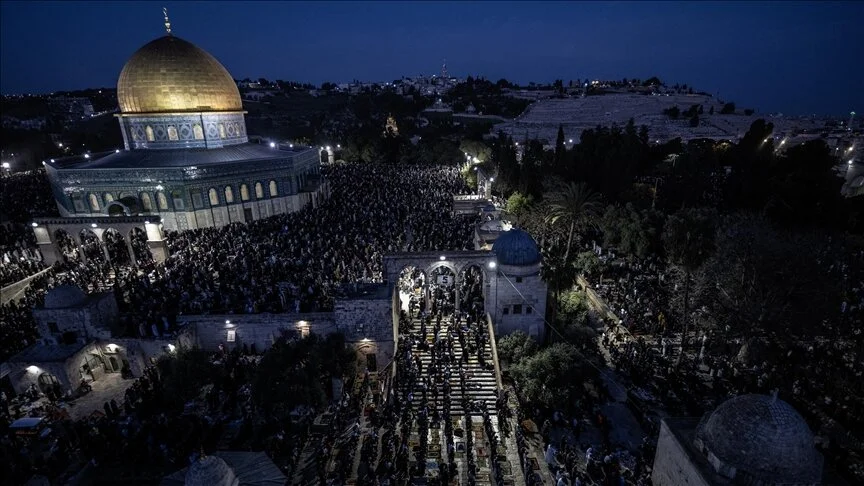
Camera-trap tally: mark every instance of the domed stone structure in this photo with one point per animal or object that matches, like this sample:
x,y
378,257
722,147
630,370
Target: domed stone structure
x,y
64,296
210,471
516,247
762,438
170,75
188,162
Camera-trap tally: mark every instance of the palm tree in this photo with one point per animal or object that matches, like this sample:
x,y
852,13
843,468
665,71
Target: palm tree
x,y
575,205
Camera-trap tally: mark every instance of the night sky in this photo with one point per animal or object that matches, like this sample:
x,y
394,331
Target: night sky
x,y
795,58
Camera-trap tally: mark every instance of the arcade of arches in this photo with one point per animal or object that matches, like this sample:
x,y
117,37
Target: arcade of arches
x,y
123,240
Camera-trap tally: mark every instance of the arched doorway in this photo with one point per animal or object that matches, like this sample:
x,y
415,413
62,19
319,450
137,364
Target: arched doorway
x,y
471,291
442,290
49,385
66,245
91,245
412,289
138,240
116,245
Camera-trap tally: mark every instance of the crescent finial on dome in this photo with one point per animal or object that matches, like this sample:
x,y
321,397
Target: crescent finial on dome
x,y
167,22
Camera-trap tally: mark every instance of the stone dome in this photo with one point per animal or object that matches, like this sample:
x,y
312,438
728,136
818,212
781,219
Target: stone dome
x,y
516,247
762,437
210,471
64,296
171,75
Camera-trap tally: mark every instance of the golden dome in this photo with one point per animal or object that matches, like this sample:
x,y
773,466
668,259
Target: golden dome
x,y
171,75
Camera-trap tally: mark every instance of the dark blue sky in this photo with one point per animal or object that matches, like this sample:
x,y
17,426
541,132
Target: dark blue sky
x,y
795,57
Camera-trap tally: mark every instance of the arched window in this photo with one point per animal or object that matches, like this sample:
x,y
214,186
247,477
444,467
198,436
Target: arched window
x,y
274,191
146,202
259,190
221,130
108,198
162,200
244,192
229,195
94,202
78,203
198,132
150,136
172,132
214,197
177,199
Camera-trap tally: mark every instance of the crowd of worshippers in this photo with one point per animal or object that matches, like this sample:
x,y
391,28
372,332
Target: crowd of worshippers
x,y
25,195
634,291
19,257
286,263
421,399
141,434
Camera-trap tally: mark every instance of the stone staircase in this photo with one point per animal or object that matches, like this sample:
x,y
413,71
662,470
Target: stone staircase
x,y
480,383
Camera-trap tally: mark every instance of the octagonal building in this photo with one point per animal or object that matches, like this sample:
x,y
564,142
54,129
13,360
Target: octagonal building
x,y
187,160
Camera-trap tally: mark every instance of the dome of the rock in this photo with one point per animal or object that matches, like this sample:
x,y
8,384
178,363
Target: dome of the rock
x,y
171,75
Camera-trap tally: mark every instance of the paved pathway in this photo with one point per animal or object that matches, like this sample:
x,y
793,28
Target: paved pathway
x,y
111,385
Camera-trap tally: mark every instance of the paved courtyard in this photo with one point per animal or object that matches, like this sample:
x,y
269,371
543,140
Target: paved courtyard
x,y
112,385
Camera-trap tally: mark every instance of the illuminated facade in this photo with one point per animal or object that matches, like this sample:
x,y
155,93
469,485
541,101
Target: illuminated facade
x,y
187,160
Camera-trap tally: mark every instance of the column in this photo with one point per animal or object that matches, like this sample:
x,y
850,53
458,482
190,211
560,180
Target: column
x,y
105,251
81,250
456,290
131,251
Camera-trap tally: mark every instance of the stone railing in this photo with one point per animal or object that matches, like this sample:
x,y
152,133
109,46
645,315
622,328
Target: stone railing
x,y
11,291
492,343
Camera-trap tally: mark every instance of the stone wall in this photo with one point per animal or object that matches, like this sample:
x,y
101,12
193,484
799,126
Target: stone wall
x,y
516,299
366,323
66,371
92,321
672,464
260,329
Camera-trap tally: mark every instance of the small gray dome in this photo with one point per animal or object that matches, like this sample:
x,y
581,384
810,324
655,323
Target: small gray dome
x,y
516,247
210,471
64,296
764,438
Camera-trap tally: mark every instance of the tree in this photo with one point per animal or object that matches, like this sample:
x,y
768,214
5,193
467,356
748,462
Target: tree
x,y
728,109
631,231
673,112
183,374
694,120
574,205
560,149
587,262
688,239
554,376
518,203
476,148
764,281
652,81
711,111
515,347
